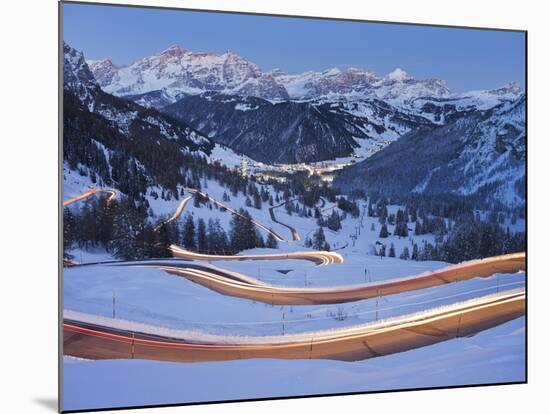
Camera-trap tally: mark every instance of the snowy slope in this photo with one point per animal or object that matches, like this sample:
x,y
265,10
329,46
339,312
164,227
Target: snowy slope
x,y
481,154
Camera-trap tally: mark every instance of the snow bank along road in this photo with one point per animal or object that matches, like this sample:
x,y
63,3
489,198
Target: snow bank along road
x,y
249,288
86,340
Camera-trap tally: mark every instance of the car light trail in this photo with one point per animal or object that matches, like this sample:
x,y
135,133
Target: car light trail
x,y
244,286
89,193
375,339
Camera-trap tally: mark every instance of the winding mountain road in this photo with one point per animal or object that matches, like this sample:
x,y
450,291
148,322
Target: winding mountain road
x,y
277,295
93,341
177,213
293,231
112,195
90,341
322,258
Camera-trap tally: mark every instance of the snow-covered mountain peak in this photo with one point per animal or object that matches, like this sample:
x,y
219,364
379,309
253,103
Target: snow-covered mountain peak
x,y
77,76
174,50
104,70
181,71
511,88
100,63
398,75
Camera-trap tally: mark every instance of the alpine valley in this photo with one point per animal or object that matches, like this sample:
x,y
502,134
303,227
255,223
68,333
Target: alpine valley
x,y
473,142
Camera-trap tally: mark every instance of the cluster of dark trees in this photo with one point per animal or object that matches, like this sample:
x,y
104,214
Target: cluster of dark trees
x,y
119,226
349,206
256,197
210,237
433,225
310,188
462,233
294,207
332,222
318,241
399,219
147,158
122,228
468,240
473,239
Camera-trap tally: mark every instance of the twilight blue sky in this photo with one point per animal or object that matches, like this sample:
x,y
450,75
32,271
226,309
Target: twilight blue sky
x,y
466,59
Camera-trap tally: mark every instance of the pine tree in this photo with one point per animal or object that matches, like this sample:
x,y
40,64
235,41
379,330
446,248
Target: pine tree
x,y
418,230
405,254
334,222
384,232
197,200
392,251
257,201
319,241
413,215
189,232
128,227
216,237
414,255
164,237
202,245
288,208
401,229
317,214
243,232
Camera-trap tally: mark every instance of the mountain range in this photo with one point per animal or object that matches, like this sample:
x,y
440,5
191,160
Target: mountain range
x,y
432,140
177,72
